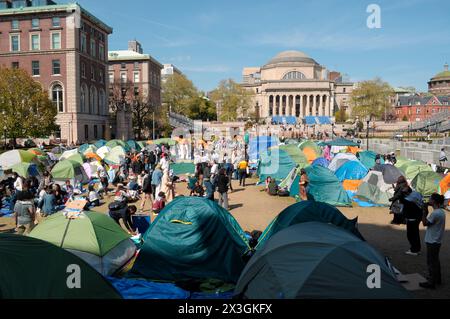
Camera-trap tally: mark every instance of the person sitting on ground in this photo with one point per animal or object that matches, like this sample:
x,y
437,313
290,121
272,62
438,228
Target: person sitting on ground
x,y
48,203
159,203
304,182
198,190
120,195
24,210
61,196
125,214
272,187
93,197
133,185
68,188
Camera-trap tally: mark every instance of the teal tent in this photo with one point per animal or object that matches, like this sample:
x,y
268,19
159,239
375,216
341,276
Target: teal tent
x,y
304,212
134,145
193,238
100,143
35,269
182,168
341,142
317,261
367,158
325,187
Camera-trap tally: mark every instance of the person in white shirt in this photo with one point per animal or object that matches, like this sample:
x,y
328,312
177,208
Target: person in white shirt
x,y
164,162
442,157
18,183
93,197
435,224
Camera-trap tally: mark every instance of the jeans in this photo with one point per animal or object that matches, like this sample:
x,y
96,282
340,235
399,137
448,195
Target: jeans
x,y
209,190
434,264
413,235
223,200
242,176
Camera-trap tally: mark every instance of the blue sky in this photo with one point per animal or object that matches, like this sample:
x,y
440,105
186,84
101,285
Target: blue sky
x,y
213,40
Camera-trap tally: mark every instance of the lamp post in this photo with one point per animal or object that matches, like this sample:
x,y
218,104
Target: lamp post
x,y
4,133
367,134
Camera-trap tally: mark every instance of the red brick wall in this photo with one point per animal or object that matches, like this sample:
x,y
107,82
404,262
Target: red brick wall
x,y
425,111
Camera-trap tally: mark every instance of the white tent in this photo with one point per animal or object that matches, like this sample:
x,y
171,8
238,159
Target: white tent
x,y
340,159
376,178
103,151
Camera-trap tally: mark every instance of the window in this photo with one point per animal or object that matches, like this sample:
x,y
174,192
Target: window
x,y
136,65
83,69
56,67
15,65
111,77
93,48
101,76
93,106
56,22
123,65
123,78
102,103
83,98
294,75
57,97
56,41
35,23
103,131
83,46
15,25
92,73
136,77
35,70
101,52
136,91
15,43
19,4
86,132
35,42
344,90
417,111
95,132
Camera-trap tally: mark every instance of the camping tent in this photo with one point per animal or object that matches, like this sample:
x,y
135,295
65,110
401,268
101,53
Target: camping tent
x,y
90,149
316,260
182,168
310,144
261,144
321,161
94,237
115,156
114,143
193,238
340,159
307,211
352,170
427,183
445,184
372,194
367,158
325,187
77,158
10,158
100,143
390,173
341,142
103,151
26,170
412,168
68,154
376,178
134,145
35,269
310,154
69,170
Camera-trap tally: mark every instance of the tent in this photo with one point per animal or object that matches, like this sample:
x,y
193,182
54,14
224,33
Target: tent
x,y
83,148
134,145
310,154
427,183
193,238
35,269
372,194
58,150
288,182
311,145
69,170
115,156
167,141
341,142
376,179
261,144
390,173
77,158
182,168
93,156
68,154
340,159
351,185
91,149
94,237
91,169
411,168
321,162
325,187
26,170
445,184
114,143
307,211
103,151
100,143
316,260
367,158
10,158
352,170
37,152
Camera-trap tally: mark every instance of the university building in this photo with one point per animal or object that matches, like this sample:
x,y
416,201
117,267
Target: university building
x,y
293,84
64,48
134,77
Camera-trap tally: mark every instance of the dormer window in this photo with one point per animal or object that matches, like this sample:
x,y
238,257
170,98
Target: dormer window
x,y
294,75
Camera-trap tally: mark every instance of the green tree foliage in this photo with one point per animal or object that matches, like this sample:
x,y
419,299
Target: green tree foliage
x,y
371,98
341,115
25,107
234,100
202,108
178,93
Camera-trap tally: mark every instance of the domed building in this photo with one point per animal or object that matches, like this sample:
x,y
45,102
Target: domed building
x,y
294,85
440,83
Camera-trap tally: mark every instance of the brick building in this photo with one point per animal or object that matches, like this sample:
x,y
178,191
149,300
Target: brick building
x,y
64,48
133,77
417,108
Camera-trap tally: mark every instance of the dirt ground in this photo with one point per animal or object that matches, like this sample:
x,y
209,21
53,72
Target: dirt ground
x,y
254,210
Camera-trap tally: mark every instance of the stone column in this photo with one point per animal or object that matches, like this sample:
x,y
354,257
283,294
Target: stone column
x,y
301,105
321,105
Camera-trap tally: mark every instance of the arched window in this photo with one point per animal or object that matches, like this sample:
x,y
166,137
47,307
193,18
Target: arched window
x,y
102,103
294,75
57,97
93,105
84,98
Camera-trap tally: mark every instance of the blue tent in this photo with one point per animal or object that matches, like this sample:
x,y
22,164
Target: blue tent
x,y
261,144
321,162
83,148
352,170
317,120
100,143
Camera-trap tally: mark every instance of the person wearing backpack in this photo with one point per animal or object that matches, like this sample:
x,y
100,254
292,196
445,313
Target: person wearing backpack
x,y
412,212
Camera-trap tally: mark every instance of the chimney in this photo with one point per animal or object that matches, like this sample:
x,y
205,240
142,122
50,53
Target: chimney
x,y
135,46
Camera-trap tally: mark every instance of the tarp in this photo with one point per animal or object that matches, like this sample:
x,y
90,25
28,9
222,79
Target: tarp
x,y
412,168
373,194
316,260
351,185
307,211
291,120
35,269
352,170
340,159
427,183
192,238
341,142
325,187
317,120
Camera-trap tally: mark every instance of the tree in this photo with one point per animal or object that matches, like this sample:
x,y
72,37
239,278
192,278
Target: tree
x,y
234,100
202,108
341,115
178,92
371,98
25,106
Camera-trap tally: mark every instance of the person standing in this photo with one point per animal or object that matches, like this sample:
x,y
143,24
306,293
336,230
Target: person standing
x,y
222,187
147,189
303,184
401,190
18,182
24,210
229,169
442,157
156,180
412,212
167,186
435,224
207,182
242,168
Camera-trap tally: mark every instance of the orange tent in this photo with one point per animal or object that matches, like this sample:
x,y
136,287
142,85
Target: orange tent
x,y
36,151
310,154
445,183
351,185
353,149
94,156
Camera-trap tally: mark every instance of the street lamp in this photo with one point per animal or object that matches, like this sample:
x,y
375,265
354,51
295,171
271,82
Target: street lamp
x,y
4,133
367,134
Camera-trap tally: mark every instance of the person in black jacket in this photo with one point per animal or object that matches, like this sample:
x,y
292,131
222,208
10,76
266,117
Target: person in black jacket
x,y
222,187
401,190
147,189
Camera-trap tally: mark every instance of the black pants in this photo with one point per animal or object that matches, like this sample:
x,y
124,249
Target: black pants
x,y
413,234
434,264
242,176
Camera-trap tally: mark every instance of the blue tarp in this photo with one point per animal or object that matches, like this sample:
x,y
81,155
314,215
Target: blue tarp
x,y
360,202
317,120
284,120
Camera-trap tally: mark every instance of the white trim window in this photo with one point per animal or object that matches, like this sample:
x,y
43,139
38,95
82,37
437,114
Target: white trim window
x,y
14,40
57,97
123,77
136,77
101,52
93,48
83,43
56,40
35,41
111,77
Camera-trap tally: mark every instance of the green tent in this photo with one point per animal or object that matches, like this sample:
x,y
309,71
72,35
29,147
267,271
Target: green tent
x,y
412,168
89,149
167,141
10,158
134,145
193,238
35,269
94,237
77,158
427,183
100,143
367,158
310,144
341,142
113,143
69,170
325,187
142,144
373,194
26,170
182,168
307,211
317,261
